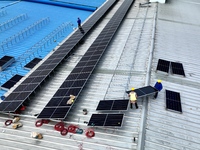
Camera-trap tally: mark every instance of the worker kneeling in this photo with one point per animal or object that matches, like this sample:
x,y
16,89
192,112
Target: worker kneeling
x,y
36,135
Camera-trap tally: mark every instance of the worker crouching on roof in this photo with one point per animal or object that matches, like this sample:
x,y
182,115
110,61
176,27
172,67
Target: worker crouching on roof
x,y
159,87
133,98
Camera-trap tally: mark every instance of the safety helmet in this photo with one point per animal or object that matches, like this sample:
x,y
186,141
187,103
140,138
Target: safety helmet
x,y
132,89
159,81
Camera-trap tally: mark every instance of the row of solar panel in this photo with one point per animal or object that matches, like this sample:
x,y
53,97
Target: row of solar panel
x,y
86,65
13,101
164,65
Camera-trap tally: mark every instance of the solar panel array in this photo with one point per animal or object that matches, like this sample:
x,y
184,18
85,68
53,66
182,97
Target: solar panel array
x,y
113,105
164,66
173,101
75,82
144,91
11,82
13,101
106,120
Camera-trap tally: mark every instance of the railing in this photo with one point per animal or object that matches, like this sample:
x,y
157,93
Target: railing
x,y
12,22
23,34
3,13
35,51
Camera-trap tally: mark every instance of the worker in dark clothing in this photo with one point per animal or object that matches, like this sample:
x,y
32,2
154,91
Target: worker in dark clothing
x,y
79,22
159,87
133,98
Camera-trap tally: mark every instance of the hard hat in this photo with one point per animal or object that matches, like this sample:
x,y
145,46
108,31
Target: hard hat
x,y
159,81
132,89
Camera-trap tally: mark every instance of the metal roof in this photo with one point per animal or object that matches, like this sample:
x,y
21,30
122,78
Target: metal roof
x,y
163,31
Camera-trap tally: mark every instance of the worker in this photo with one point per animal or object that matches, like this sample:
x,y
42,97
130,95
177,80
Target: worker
x,y
158,85
17,125
79,22
133,98
71,99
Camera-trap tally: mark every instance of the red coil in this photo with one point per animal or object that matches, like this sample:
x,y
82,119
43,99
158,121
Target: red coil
x,y
39,123
90,133
59,126
64,132
8,122
72,129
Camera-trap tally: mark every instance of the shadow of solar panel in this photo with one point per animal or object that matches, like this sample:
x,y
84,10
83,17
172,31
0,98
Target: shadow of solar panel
x,y
120,105
61,93
72,76
79,83
60,113
55,101
83,76
173,101
13,106
67,84
177,68
105,105
4,105
46,113
114,120
97,120
148,90
73,91
139,92
163,65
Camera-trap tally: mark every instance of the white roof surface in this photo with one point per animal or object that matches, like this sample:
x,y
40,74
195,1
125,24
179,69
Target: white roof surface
x,y
163,31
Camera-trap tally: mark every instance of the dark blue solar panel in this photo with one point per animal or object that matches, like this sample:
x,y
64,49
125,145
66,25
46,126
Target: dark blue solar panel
x,y
163,65
105,105
114,120
97,120
177,68
55,101
173,101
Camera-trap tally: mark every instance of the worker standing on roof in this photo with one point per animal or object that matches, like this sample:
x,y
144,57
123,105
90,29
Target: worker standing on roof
x,y
133,98
79,22
159,87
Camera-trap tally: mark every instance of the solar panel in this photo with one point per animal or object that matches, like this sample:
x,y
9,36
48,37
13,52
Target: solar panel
x,y
173,101
113,105
106,120
144,91
114,120
5,61
11,82
163,65
177,68
32,63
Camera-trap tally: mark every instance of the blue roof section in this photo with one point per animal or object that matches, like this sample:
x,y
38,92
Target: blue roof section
x,y
57,24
